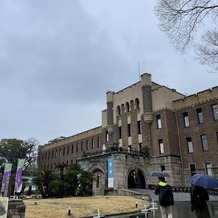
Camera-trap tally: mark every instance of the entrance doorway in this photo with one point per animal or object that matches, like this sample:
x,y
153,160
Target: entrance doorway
x,y
136,179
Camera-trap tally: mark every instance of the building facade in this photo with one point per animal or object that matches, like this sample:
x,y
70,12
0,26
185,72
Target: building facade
x,y
145,127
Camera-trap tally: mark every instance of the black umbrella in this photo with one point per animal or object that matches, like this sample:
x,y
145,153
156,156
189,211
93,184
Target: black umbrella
x,y
157,174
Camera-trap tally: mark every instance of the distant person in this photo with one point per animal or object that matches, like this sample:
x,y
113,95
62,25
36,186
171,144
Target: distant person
x,y
166,199
199,198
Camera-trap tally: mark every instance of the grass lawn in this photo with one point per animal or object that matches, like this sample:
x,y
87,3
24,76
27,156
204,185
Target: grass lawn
x,y
81,206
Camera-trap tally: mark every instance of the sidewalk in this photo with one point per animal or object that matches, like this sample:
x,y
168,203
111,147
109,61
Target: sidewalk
x,y
178,196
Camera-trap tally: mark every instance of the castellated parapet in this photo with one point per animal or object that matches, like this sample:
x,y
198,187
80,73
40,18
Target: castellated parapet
x,y
196,99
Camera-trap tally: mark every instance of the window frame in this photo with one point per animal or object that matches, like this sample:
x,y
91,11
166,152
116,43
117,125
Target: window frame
x,y
186,119
158,120
189,145
139,127
200,116
161,146
129,129
204,142
215,111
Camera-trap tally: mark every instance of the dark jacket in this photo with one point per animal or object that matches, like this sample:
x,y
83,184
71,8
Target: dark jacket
x,y
199,198
165,194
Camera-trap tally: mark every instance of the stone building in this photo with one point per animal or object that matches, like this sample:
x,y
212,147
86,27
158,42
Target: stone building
x,y
145,127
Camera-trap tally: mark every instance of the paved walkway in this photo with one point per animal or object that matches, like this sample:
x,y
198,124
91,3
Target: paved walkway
x,y
178,196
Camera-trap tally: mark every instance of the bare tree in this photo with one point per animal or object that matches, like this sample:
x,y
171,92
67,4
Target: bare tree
x,y
182,20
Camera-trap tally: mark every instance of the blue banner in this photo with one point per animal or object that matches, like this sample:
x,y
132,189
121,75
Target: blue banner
x,y
110,172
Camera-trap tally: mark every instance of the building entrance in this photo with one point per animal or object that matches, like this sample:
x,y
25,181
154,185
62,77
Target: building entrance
x,y
136,179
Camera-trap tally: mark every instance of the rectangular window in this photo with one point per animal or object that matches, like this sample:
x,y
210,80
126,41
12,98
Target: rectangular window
x,y
92,145
52,154
63,151
120,132
77,147
81,146
68,148
106,136
129,130
72,146
192,169
158,120
204,142
217,135
186,119
189,144
140,147
200,116
87,144
208,169
139,128
215,111
98,142
162,168
161,146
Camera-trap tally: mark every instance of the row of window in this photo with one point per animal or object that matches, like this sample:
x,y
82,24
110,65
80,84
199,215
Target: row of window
x,y
74,148
129,131
128,106
200,116
207,166
204,143
51,166
159,124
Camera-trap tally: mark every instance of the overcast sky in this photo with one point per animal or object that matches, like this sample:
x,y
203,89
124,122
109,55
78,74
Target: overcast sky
x,y
59,58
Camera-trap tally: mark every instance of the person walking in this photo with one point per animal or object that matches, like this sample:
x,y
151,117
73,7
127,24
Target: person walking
x,y
199,198
166,199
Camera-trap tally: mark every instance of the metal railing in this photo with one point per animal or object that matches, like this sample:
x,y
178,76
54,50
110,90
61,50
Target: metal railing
x,y
131,152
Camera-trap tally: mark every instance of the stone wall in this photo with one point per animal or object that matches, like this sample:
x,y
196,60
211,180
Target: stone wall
x,y
16,208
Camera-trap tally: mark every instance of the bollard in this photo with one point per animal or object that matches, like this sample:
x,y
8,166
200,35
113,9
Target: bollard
x,y
136,204
69,211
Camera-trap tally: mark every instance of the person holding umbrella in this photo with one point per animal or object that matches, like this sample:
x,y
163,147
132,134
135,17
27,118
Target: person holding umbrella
x,y
199,195
199,198
166,199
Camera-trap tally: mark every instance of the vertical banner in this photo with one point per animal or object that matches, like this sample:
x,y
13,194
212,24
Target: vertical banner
x,y
6,176
18,181
3,207
110,172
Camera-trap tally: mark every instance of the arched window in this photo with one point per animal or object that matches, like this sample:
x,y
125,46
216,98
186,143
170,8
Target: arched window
x,y
137,103
127,107
118,110
131,105
122,109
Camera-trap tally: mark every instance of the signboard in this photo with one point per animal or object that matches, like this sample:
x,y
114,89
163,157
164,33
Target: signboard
x,y
18,182
3,207
110,172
